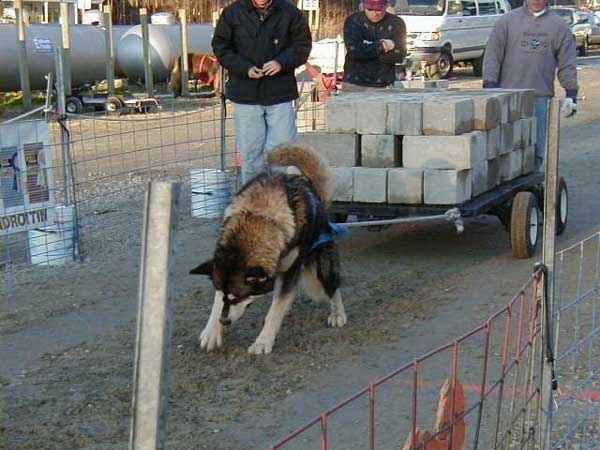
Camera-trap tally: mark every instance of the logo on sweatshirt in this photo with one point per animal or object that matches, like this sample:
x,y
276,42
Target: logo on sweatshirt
x,y
534,42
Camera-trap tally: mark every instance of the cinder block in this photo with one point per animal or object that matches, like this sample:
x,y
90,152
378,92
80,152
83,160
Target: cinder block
x,y
340,115
447,116
511,165
446,187
526,132
527,102
486,112
493,175
405,117
514,106
370,185
444,152
378,150
528,159
506,138
533,131
405,186
517,134
371,115
425,84
503,98
339,149
493,142
479,178
342,184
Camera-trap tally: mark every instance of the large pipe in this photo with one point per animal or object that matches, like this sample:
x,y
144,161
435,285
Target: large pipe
x,y
88,54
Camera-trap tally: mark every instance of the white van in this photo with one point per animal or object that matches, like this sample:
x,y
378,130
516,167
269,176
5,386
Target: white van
x,y
441,33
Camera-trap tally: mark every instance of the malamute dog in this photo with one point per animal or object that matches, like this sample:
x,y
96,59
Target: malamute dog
x,y
274,235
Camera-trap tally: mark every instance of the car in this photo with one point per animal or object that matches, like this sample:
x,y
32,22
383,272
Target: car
x,y
583,24
441,33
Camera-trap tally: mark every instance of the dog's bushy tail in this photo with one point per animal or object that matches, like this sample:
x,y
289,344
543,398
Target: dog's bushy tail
x,y
312,165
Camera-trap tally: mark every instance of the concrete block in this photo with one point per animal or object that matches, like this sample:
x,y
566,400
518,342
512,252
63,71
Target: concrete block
x,y
517,134
503,98
533,131
493,174
493,142
528,159
405,186
479,178
506,138
486,112
339,149
444,152
425,84
526,132
370,185
371,116
405,117
446,187
378,150
514,106
447,115
527,102
340,115
342,189
511,165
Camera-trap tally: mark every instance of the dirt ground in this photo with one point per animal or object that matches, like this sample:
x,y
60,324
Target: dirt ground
x,y
67,343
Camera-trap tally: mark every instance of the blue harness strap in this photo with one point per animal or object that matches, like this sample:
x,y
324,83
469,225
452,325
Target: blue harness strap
x,y
335,230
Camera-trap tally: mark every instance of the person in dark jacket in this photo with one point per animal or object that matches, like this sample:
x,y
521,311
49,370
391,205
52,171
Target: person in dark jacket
x,y
261,43
375,42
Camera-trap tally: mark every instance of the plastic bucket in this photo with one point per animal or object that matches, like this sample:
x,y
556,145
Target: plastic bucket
x,y
210,193
53,245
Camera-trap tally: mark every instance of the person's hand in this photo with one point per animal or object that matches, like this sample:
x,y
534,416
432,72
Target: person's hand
x,y
271,68
569,107
255,73
387,44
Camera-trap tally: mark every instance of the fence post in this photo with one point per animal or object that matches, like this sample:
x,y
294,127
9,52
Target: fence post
x,y
155,299
110,50
22,54
66,46
184,52
147,57
223,118
548,253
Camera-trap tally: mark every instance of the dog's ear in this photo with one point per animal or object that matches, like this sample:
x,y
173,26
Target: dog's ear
x,y
256,275
206,268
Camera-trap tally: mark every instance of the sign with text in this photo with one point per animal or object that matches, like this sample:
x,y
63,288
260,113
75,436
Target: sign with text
x,y
26,176
309,5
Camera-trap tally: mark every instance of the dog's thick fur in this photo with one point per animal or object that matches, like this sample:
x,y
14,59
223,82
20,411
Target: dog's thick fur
x,y
266,244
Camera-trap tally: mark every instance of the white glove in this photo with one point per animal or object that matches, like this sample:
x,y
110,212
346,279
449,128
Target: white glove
x,y
569,107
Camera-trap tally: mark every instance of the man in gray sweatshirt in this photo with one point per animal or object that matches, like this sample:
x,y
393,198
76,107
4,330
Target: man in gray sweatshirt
x,y
528,47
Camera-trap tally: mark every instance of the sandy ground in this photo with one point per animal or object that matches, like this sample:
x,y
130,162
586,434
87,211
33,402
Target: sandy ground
x,y
68,333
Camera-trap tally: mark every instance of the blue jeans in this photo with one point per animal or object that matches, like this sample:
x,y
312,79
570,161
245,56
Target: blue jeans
x,y
259,129
541,116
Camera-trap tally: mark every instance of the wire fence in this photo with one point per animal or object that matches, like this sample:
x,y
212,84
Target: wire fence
x,y
576,419
490,393
107,162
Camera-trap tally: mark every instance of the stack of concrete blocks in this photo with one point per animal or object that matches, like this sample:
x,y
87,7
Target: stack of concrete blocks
x,y
425,146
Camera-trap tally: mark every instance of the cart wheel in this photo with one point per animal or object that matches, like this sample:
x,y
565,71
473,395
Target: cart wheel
x,y
524,225
113,104
562,206
74,106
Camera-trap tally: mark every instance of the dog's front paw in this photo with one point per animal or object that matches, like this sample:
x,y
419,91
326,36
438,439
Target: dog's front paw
x,y
211,337
337,319
262,346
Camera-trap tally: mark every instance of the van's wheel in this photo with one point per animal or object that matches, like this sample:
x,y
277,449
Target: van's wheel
x,y
478,66
562,206
73,105
339,217
584,47
443,68
113,105
524,225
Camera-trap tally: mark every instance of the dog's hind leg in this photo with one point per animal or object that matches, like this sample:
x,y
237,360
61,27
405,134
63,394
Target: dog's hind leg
x,y
328,274
211,337
282,301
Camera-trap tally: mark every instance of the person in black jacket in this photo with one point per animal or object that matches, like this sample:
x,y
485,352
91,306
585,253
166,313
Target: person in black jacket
x,y
375,42
261,43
